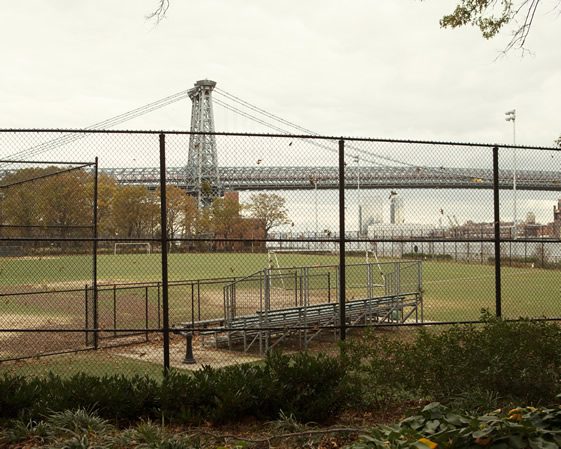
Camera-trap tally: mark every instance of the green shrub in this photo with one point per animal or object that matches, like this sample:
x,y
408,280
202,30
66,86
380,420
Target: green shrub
x,y
471,367
112,397
520,360
15,394
218,395
311,388
305,386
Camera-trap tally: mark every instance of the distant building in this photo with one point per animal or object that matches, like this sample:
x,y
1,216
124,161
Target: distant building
x,y
404,230
372,213
396,209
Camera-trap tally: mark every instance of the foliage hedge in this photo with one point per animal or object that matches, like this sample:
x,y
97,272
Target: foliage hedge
x,y
305,386
469,367
518,360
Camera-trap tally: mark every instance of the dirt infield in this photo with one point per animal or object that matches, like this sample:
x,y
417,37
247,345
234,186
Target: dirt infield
x,y
153,352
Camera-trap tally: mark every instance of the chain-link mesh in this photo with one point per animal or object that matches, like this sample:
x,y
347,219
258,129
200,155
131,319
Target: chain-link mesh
x,y
255,256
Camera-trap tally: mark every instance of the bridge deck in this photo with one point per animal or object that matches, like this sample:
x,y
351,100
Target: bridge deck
x,y
298,178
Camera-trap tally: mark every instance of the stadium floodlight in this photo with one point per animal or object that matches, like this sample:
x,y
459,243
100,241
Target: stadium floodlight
x,y
357,160
510,116
314,182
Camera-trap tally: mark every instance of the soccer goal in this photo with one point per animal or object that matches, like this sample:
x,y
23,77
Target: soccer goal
x,y
132,248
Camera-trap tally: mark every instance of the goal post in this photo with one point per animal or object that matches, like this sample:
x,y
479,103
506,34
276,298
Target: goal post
x,y
132,248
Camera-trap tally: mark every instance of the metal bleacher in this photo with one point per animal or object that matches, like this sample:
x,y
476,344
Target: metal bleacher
x,y
268,307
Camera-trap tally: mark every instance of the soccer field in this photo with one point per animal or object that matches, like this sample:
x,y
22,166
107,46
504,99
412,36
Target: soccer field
x,y
452,290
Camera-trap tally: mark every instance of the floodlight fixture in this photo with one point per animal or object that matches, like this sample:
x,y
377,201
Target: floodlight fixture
x,y
510,115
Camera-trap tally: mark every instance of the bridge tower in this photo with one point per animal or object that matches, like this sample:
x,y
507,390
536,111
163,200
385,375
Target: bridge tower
x,y
202,164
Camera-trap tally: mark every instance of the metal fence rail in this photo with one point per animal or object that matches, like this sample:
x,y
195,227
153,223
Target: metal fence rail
x,y
115,261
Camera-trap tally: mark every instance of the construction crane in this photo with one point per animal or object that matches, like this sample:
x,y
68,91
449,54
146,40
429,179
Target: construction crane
x,y
453,223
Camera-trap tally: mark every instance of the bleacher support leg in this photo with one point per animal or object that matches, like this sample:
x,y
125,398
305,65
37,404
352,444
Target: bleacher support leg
x,y
189,359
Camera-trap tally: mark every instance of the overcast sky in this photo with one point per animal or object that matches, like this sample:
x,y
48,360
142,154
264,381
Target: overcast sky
x,y
379,69
361,68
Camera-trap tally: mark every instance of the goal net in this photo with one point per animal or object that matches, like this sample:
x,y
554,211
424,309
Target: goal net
x,y
132,248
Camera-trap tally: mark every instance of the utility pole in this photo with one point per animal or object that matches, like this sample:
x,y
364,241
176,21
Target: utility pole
x,y
314,182
357,160
511,117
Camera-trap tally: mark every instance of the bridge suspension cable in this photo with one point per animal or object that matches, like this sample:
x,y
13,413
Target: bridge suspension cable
x,y
238,103
263,111
279,129
108,123
299,128
365,155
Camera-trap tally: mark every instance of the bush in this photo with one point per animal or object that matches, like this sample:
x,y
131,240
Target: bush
x,y
113,397
305,386
309,388
470,367
520,360
218,395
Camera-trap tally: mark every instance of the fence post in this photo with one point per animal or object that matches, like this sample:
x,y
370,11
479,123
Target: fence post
x,y
146,311
192,306
267,289
164,244
94,268
295,289
497,220
87,323
342,261
159,306
199,298
114,310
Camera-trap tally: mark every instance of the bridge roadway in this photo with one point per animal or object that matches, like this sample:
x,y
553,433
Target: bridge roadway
x,y
306,178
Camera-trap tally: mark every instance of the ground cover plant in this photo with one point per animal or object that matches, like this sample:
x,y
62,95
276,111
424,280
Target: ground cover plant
x,y
436,426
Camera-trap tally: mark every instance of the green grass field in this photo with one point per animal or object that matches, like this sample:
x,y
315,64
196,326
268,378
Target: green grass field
x,y
452,291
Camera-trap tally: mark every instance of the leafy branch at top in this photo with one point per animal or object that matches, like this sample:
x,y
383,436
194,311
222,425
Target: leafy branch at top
x,y
491,16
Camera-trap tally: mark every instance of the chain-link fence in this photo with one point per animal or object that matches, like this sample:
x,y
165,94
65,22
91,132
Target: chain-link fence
x,y
271,241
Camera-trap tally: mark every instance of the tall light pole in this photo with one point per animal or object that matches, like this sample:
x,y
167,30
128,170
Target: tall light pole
x,y
511,117
314,182
357,160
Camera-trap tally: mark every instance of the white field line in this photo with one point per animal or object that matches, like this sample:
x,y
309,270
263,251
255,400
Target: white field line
x,y
476,278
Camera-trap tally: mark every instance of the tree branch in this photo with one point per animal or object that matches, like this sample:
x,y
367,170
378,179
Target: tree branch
x,y
159,13
481,13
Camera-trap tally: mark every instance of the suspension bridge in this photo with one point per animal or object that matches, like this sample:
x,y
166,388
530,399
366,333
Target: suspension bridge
x,y
203,177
